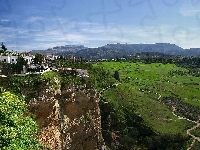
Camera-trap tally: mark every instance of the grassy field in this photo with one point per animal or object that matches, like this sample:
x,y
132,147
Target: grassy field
x,y
196,132
141,85
155,78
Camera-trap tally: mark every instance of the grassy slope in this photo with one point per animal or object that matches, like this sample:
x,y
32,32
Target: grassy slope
x,y
144,83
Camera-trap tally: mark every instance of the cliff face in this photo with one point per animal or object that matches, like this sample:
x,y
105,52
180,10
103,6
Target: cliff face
x,y
68,119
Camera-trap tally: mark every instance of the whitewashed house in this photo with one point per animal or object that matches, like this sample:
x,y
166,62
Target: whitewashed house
x,y
51,57
13,59
29,59
8,59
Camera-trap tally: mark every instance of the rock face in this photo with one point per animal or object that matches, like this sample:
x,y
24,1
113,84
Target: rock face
x,y
68,119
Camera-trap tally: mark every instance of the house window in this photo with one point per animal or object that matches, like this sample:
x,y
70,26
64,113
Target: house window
x,y
12,59
4,60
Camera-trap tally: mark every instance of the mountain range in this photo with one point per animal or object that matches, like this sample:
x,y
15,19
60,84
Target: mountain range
x,y
118,50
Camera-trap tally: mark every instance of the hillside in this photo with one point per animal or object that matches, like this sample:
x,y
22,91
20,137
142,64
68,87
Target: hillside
x,y
140,107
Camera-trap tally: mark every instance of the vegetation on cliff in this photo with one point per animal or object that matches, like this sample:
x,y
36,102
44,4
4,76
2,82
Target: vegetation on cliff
x,y
99,78
17,129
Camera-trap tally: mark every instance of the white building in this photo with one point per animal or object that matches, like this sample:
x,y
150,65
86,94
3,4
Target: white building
x,y
8,59
29,59
51,57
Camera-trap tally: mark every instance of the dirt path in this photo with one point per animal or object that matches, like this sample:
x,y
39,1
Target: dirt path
x,y
189,130
108,87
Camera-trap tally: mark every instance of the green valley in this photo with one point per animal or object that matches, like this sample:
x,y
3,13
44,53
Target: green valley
x,y
142,97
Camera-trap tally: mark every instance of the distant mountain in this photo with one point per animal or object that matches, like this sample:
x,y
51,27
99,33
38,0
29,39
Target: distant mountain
x,y
60,49
192,51
119,50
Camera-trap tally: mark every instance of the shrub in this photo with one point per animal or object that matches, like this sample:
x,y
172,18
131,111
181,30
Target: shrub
x,y
16,130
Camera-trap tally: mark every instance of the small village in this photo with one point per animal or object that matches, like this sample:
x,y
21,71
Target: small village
x,y
25,63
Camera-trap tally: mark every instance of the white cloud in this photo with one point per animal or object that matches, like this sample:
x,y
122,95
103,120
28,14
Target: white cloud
x,y
34,19
96,35
5,20
189,12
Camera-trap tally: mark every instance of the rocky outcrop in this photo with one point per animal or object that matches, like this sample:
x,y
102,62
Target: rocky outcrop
x,y
68,119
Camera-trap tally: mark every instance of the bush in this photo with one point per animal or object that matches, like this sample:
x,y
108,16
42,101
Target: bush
x,y
16,130
50,76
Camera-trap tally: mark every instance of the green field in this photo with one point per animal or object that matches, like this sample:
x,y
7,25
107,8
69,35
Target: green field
x,y
155,78
142,84
196,132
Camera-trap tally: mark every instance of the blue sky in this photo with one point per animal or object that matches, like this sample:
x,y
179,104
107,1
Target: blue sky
x,y
40,24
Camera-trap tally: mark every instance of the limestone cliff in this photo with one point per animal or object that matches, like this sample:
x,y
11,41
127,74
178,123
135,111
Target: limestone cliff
x,y
68,119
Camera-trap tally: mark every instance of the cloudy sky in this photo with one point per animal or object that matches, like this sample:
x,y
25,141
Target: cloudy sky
x,y
40,24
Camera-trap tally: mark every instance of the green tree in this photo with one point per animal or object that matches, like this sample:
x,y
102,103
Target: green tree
x,y
17,130
18,67
116,75
3,48
39,58
7,69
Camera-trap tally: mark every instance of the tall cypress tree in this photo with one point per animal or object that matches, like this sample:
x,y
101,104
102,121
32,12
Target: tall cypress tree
x,y
3,47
